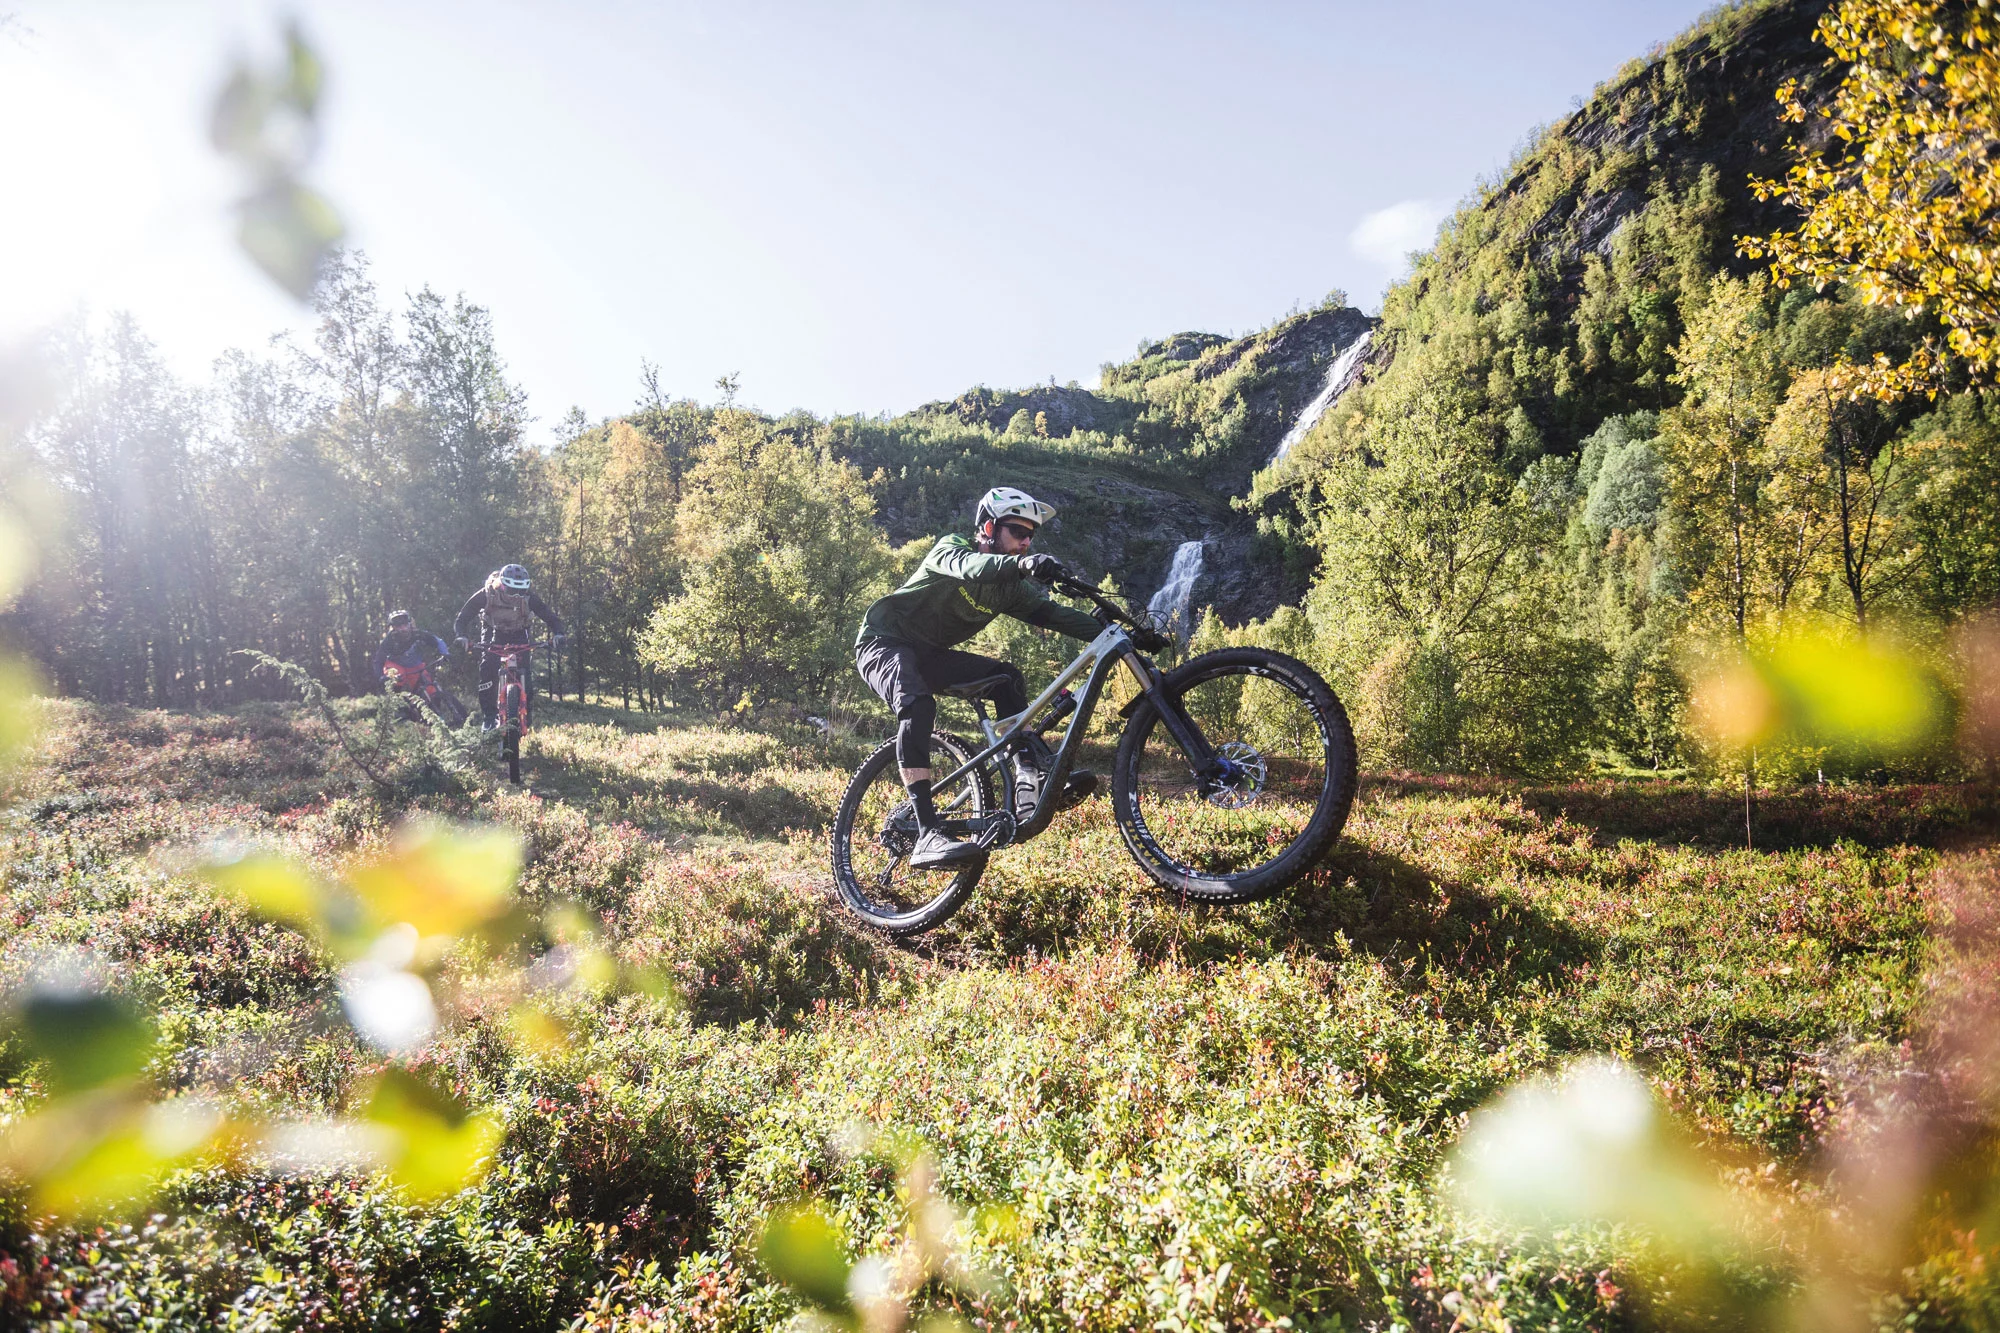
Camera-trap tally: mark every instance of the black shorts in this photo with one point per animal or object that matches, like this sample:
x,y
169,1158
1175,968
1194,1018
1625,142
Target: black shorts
x,y
900,671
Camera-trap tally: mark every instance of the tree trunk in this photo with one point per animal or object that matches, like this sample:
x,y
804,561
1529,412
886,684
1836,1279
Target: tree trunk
x,y
1749,796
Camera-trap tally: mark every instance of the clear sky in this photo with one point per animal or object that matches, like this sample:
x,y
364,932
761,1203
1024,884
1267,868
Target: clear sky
x,y
859,207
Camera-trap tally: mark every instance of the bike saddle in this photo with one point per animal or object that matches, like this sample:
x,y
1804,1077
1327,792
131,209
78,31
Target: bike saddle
x,y
972,689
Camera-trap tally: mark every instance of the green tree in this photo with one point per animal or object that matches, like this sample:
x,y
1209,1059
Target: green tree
x,y
1728,365
1437,603
779,556
1832,462
1946,500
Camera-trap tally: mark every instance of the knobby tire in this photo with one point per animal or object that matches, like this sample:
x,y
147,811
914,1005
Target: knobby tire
x,y
510,733
1276,716
875,882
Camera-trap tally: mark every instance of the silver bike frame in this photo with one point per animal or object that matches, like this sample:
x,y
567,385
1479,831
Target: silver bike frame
x,y
1099,657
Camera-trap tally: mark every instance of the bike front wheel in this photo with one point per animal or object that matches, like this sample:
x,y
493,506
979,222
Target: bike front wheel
x,y
446,705
510,733
1285,784
876,828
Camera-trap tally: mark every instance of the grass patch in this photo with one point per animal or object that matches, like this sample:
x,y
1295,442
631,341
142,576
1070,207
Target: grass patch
x,y
1156,1110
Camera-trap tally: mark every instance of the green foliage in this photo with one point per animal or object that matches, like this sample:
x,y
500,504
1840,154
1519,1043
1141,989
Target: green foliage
x,y
779,558
1620,475
1157,1092
1725,485
1435,602
1945,502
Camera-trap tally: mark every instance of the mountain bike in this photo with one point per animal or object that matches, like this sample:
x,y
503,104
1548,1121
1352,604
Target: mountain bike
x,y
1233,775
510,700
418,682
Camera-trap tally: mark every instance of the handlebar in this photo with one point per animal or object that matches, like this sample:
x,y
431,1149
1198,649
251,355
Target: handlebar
x,y
1068,583
516,647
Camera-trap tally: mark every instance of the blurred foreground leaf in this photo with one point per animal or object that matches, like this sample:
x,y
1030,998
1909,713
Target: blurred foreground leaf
x,y
18,554
441,880
1845,693
272,886
85,1036
1591,1146
433,1145
267,120
807,1251
288,229
20,713
97,1157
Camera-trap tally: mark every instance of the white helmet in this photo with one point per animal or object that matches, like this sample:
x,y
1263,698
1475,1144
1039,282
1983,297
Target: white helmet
x,y
1006,502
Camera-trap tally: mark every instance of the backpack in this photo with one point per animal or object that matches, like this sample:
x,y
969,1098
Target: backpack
x,y
506,612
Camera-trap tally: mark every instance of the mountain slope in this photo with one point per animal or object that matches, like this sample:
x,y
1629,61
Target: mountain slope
x,y
1151,459
1557,293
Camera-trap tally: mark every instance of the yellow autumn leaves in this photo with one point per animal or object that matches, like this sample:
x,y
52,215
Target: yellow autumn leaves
x,y
107,1135
1901,202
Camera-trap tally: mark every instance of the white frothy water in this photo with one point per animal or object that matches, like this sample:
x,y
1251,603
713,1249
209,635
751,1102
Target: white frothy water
x,y
1338,376
1175,600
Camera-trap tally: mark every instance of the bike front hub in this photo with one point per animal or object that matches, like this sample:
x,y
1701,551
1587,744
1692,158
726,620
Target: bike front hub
x,y
1238,778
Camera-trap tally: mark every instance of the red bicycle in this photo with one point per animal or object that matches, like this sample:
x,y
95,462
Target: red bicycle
x,y
510,700
418,682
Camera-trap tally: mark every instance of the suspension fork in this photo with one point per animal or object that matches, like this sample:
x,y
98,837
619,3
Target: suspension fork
x,y
1194,746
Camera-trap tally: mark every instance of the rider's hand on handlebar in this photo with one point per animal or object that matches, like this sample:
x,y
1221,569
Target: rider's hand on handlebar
x,y
463,646
1040,568
1150,640
558,640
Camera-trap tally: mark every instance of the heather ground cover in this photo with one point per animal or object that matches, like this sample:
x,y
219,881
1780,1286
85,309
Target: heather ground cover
x,y
1151,1114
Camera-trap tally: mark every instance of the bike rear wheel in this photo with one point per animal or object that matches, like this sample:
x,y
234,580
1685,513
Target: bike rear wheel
x,y
1289,779
876,827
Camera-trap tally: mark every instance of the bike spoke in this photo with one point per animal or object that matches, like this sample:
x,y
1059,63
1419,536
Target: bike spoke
x,y
877,833
1270,776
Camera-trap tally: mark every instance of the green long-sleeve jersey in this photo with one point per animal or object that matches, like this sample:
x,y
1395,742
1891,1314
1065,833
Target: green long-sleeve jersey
x,y
956,593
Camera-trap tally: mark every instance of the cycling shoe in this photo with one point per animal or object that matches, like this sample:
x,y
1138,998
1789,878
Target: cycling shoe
x,y
938,850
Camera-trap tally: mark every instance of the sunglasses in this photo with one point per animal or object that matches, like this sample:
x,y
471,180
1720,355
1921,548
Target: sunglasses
x,y
1020,532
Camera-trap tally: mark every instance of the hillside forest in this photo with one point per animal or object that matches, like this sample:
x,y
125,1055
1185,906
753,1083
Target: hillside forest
x,y
1649,533
1590,451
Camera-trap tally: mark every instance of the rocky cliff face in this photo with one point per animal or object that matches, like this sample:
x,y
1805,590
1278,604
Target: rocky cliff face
x,y
1063,410
1706,102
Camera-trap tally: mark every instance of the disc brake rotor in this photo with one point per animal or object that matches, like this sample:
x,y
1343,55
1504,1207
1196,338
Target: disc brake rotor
x,y
1245,777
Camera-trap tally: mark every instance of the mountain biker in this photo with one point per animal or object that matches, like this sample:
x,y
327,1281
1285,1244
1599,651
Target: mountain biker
x,y
905,650
501,610
408,646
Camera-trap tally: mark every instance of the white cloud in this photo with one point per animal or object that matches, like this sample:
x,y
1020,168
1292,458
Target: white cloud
x,y
1387,235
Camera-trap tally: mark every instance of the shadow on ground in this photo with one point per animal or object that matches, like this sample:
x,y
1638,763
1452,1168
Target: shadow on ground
x,y
1921,814
1360,899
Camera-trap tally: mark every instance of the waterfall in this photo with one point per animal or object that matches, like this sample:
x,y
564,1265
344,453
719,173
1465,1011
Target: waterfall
x,y
1338,376
1174,602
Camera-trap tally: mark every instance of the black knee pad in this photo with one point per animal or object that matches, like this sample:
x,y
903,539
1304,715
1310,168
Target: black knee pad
x,y
914,721
1013,696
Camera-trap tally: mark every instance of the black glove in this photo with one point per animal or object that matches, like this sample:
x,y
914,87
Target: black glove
x,y
1150,640
463,646
1040,568
558,640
